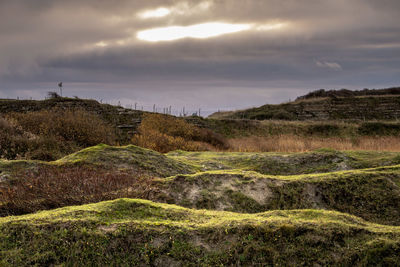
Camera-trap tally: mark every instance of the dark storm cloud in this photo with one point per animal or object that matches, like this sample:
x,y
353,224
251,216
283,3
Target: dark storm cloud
x,y
331,44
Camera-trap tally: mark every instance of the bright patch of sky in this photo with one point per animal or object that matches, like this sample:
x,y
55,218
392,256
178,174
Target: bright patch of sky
x,y
154,13
198,31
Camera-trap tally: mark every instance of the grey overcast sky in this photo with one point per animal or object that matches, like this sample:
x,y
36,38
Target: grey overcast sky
x,y
211,54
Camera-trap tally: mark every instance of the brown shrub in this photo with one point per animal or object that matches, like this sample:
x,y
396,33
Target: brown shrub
x,y
82,127
167,125
5,126
54,187
49,135
212,138
163,143
165,133
12,142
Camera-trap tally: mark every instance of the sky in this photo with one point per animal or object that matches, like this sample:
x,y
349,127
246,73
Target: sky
x,y
211,54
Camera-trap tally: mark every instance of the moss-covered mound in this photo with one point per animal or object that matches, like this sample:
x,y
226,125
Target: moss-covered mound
x,y
319,161
240,182
373,194
181,162
127,157
137,232
104,156
258,209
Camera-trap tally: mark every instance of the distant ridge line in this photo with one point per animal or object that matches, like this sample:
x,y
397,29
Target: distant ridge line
x,y
350,93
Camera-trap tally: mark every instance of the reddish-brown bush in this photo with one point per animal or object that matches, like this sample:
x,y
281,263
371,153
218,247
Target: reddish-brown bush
x,y
53,187
49,135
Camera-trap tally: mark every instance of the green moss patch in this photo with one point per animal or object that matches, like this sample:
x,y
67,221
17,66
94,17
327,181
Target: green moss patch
x,y
373,194
137,232
110,157
127,157
319,161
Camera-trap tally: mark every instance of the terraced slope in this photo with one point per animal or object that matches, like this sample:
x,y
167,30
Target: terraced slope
x,y
138,232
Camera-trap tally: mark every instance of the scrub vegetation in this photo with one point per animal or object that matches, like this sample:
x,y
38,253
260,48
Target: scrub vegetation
x,y
165,133
77,189
51,134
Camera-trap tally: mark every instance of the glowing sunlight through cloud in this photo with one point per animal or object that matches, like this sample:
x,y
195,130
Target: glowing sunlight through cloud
x,y
270,27
155,13
101,44
180,9
198,31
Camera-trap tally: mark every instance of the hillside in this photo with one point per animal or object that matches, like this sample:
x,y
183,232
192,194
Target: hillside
x,y
138,233
322,207
115,115
326,105
350,93
50,129
108,205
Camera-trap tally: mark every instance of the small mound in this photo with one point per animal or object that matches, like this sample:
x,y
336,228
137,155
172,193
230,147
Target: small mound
x,y
136,232
373,194
128,157
319,161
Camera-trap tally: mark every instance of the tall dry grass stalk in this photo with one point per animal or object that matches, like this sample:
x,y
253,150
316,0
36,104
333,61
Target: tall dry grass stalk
x,y
291,143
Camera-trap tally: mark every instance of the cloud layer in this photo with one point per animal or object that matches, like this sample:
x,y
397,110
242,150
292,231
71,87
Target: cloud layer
x,y
280,50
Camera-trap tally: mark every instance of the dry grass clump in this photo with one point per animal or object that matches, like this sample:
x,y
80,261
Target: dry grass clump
x,y
77,125
15,142
164,133
53,187
293,143
51,134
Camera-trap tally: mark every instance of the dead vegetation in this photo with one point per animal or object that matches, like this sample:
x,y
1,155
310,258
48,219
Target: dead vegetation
x,y
165,133
52,187
293,143
51,134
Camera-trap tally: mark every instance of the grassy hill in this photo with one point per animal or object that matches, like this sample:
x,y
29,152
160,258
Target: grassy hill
x,y
365,184
138,232
52,128
106,205
322,207
114,115
330,105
